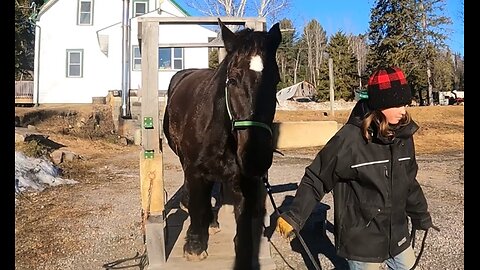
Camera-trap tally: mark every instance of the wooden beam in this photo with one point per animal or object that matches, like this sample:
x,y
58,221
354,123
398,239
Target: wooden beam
x,y
149,93
191,45
200,20
151,157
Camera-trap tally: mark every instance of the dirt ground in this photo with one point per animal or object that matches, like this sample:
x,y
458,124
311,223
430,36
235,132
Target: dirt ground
x,y
97,221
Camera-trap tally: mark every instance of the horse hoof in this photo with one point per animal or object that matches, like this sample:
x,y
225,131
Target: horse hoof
x,y
194,257
213,230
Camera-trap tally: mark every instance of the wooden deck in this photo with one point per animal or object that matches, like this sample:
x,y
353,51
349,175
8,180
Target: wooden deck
x,y
221,254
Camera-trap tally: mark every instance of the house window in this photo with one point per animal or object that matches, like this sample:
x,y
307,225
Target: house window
x,y
178,58
85,12
170,58
74,63
140,7
136,58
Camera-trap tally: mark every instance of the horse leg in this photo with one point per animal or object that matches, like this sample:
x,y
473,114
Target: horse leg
x,y
185,198
200,212
217,194
250,212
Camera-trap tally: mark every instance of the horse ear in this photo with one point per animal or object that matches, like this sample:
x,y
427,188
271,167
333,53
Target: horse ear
x,y
276,35
228,37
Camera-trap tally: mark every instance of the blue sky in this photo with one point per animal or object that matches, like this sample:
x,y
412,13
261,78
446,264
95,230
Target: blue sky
x,y
353,16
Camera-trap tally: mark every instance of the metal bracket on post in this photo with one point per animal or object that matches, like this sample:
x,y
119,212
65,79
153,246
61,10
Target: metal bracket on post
x,y
149,154
148,122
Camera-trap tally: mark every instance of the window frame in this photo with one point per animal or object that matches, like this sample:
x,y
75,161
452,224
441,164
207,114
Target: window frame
x,y
79,12
68,63
181,58
135,2
136,58
172,58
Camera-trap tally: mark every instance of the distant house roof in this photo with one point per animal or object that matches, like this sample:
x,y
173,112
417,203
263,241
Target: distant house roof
x,y
48,3
302,89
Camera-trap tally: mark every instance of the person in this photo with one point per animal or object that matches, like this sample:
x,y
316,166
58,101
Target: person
x,y
370,166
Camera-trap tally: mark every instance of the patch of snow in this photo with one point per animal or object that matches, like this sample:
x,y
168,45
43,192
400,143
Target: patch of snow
x,y
290,105
35,174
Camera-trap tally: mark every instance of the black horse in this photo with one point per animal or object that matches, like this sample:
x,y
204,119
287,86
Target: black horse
x,y
218,122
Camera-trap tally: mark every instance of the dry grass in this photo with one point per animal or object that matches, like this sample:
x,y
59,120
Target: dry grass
x,y
441,127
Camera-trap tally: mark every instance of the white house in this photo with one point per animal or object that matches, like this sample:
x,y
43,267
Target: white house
x,y
78,48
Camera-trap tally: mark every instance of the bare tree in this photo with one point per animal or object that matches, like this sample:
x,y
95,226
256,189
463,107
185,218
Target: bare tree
x,y
297,64
315,41
309,42
359,47
240,8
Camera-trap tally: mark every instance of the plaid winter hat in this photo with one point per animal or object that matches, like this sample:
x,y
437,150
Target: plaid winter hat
x,y
388,88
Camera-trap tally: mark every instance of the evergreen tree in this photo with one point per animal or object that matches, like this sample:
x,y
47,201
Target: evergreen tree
x,y
24,41
344,69
444,72
392,35
408,34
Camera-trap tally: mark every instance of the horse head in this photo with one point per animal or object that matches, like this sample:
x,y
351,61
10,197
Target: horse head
x,y
250,94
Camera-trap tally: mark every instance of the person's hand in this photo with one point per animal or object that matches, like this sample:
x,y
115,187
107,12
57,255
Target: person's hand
x,y
284,228
423,224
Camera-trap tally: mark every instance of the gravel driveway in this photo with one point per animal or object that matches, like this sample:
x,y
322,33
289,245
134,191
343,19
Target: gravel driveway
x,y
87,225
441,178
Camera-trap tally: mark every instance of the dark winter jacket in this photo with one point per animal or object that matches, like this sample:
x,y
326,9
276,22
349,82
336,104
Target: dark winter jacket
x,y
374,189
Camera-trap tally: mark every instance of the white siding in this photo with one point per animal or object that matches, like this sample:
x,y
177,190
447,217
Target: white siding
x,y
58,31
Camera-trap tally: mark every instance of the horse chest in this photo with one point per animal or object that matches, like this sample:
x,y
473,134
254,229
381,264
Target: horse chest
x,y
217,164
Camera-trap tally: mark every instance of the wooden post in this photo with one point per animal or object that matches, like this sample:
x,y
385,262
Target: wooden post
x,y
332,86
151,158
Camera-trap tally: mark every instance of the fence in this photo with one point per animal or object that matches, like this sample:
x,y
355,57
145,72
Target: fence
x,y
23,92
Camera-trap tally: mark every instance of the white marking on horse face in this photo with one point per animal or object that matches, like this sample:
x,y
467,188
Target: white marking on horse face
x,y
256,63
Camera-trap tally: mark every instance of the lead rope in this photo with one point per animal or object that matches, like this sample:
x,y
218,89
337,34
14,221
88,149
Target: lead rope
x,y
297,234
417,260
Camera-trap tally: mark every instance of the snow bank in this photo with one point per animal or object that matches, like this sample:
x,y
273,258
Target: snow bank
x,y
36,174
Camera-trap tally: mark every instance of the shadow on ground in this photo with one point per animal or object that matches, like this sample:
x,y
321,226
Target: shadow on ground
x,y
314,233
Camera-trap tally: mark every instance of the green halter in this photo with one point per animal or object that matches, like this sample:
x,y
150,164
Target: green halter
x,y
237,124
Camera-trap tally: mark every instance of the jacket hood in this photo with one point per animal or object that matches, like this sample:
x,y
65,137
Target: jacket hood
x,y
361,110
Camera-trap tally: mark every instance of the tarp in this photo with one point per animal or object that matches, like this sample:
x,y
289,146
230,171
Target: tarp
x,y
302,89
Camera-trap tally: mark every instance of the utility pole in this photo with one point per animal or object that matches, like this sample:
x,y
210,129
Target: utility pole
x,y
126,61
427,58
332,86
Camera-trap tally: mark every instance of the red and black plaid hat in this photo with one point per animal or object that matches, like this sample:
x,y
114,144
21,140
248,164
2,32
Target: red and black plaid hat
x,y
388,88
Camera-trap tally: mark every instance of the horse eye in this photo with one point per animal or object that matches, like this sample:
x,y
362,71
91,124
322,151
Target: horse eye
x,y
232,82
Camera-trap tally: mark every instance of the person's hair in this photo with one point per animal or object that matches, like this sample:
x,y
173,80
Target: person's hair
x,y
386,130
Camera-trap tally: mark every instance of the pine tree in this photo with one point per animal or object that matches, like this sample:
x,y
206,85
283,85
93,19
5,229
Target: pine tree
x,y
24,41
408,34
344,70
344,67
392,35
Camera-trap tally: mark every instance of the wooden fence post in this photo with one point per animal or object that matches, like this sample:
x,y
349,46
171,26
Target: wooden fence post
x,y
151,156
